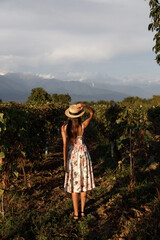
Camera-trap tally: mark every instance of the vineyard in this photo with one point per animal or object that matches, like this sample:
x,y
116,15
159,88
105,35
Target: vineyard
x,y
124,143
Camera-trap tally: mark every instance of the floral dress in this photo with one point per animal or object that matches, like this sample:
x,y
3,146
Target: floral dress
x,y
79,176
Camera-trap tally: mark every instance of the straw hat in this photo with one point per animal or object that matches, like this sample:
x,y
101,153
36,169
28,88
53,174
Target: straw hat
x,y
74,112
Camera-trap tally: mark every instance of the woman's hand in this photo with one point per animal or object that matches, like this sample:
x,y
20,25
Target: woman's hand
x,y
80,105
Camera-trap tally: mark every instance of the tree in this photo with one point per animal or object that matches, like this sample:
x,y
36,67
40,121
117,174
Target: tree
x,y
129,100
61,98
64,98
39,95
133,100
155,100
55,98
155,26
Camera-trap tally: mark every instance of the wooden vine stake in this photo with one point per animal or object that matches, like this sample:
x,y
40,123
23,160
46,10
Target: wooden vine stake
x,y
112,149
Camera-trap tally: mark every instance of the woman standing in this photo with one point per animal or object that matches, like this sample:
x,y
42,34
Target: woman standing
x,y
77,162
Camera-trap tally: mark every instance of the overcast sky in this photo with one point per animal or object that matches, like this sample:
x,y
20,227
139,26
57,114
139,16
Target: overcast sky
x,y
77,38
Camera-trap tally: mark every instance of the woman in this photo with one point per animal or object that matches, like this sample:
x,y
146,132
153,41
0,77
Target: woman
x,y
77,162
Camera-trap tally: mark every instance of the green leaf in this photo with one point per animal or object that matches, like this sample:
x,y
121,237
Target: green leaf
x,y
16,173
2,155
122,138
1,116
23,153
1,166
150,26
1,191
118,121
120,146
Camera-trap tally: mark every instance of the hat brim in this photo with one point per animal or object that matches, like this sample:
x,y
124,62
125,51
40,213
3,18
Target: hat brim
x,y
67,113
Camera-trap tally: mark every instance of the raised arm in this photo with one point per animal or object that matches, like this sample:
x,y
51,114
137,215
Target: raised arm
x,y
86,122
65,146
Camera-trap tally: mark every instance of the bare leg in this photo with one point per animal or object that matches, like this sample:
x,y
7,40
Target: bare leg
x,y
75,199
83,202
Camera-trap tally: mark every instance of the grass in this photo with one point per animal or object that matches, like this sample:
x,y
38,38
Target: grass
x,y
41,211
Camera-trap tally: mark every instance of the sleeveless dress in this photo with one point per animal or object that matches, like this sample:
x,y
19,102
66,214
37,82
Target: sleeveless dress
x,y
79,176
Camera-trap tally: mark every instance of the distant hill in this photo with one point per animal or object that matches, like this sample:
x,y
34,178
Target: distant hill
x,y
130,90
11,91
17,87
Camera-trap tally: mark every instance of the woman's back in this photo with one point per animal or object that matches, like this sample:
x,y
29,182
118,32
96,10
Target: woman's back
x,y
79,135
80,130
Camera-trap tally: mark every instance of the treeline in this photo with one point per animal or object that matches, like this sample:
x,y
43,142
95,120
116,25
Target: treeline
x,y
154,101
41,96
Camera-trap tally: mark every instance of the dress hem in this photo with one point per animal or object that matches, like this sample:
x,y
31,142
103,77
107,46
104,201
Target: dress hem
x,y
80,191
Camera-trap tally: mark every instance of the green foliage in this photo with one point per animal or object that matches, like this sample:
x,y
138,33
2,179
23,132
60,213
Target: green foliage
x,y
155,100
39,96
154,130
154,117
133,124
61,98
2,122
133,100
2,155
100,102
113,130
2,129
27,130
111,206
131,131
155,26
55,98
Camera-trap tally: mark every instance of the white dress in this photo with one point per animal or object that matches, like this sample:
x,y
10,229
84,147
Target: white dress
x,y
79,176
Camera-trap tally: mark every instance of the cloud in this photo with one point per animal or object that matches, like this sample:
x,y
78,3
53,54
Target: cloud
x,y
59,34
93,76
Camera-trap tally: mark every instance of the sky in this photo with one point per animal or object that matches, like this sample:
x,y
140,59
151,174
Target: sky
x,y
77,39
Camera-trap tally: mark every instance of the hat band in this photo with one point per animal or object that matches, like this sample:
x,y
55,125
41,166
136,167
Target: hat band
x,y
75,114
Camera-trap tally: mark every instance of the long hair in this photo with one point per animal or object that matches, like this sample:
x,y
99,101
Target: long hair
x,y
72,128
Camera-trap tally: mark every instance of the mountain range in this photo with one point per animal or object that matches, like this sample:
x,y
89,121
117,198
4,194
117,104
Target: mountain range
x,y
17,87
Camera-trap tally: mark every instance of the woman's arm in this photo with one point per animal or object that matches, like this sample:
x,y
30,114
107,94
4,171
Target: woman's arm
x,y
64,138
87,121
